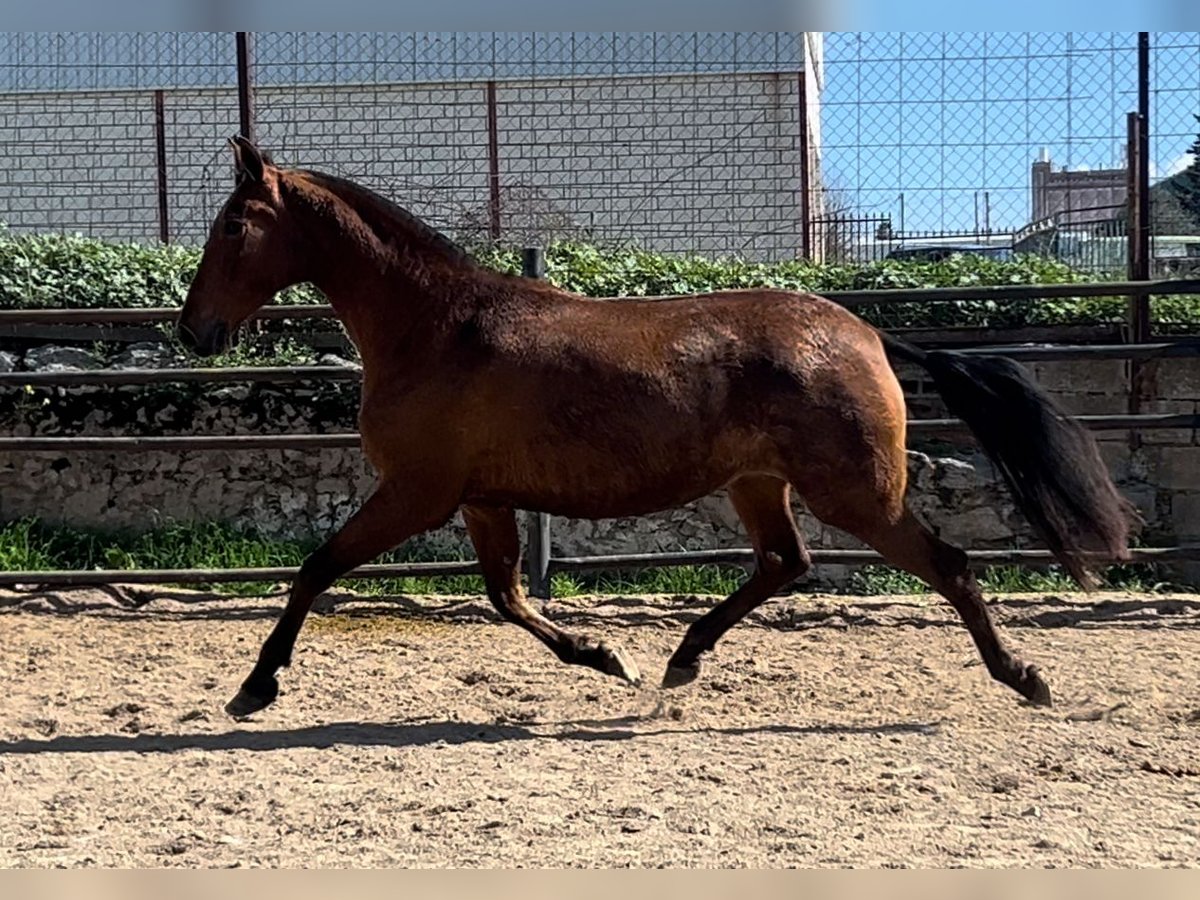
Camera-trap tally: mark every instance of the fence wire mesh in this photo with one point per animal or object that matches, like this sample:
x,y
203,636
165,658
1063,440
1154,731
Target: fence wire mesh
x,y
840,146
1002,143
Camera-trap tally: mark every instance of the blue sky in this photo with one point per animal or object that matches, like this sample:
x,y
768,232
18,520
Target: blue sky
x,y
941,118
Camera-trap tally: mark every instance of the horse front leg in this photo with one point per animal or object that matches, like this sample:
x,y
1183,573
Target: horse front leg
x,y
390,516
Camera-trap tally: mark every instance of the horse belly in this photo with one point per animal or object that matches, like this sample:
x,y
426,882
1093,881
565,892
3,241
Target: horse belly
x,y
605,477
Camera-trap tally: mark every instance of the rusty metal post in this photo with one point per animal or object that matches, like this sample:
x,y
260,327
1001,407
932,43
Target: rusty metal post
x,y
533,265
493,164
1142,175
160,153
245,82
1141,375
1138,265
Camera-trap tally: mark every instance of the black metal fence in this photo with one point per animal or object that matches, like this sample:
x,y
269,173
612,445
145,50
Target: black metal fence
x,y
978,136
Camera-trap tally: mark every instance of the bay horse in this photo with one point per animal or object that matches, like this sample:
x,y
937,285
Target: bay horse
x,y
488,392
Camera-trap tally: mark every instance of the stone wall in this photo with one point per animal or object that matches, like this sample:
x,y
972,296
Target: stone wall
x,y
301,494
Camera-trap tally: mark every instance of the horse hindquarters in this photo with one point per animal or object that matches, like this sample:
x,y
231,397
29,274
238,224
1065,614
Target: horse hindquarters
x,y
863,493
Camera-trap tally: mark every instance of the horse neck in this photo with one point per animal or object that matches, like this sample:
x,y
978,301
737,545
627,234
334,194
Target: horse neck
x,y
390,279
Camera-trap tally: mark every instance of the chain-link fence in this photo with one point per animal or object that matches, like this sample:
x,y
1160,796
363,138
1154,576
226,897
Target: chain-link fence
x,y
773,145
676,141
1001,143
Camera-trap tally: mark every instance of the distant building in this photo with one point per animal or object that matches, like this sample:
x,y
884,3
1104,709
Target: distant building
x,y
1080,218
1083,195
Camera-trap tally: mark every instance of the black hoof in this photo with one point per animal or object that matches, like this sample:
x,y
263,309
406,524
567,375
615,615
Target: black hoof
x,y
618,663
1034,688
678,676
255,694
604,658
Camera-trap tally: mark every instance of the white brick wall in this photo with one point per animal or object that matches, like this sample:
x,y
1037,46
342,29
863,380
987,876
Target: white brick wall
x,y
681,163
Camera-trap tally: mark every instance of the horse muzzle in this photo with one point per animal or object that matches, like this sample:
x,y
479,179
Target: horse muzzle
x,y
204,340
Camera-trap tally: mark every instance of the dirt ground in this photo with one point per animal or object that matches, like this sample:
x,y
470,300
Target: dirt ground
x,y
827,731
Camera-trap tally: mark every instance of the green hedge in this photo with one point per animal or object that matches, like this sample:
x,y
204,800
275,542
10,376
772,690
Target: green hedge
x,y
43,271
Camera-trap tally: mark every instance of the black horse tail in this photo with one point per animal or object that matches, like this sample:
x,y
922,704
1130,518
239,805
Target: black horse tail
x,y
1050,462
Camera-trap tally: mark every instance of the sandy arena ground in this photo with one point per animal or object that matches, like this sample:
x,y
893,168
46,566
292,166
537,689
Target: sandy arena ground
x,y
827,731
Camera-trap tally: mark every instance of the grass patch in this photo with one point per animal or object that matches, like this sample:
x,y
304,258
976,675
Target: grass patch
x,y
721,580
875,580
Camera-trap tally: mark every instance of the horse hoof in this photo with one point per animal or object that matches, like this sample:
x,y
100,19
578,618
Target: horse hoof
x,y
252,698
617,662
1034,688
678,676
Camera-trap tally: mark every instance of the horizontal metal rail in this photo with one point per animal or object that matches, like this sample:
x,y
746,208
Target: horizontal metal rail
x,y
1143,422
742,557
733,557
1161,287
294,374
122,315
352,439
1007,292
1180,349
67,578
112,377
184,442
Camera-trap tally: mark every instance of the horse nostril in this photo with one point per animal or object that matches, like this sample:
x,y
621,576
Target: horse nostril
x,y
220,338
186,336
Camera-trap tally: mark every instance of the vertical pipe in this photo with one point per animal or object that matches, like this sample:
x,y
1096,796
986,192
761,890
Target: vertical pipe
x,y
245,83
245,62
1142,172
1137,207
1141,375
160,153
806,186
533,265
493,164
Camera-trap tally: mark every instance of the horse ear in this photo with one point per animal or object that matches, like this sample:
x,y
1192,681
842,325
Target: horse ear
x,y
248,160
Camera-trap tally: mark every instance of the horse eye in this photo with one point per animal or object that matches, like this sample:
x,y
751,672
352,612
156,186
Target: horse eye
x,y
234,227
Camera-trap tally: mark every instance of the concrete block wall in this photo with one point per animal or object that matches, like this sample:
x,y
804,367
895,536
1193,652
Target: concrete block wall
x,y
79,162
696,163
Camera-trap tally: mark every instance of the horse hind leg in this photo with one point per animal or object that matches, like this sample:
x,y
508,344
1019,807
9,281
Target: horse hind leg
x,y
493,531
907,544
780,557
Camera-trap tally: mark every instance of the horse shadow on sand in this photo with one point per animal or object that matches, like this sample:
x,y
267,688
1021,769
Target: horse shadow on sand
x,y
422,733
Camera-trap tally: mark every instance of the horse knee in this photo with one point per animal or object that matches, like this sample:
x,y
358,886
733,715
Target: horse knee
x,y
951,562
315,573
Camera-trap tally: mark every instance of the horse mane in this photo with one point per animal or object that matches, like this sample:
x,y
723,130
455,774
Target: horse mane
x,y
386,218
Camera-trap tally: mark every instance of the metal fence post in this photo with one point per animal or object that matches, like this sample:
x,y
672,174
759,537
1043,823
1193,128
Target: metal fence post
x,y
244,41
493,164
806,179
245,80
533,265
1141,374
160,158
